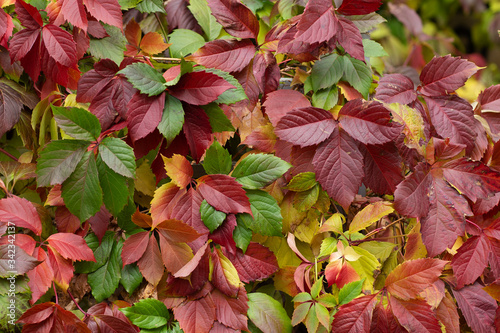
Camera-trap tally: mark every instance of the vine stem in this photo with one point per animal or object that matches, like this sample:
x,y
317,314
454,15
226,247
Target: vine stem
x,y
373,232
8,154
55,292
76,303
163,31
164,59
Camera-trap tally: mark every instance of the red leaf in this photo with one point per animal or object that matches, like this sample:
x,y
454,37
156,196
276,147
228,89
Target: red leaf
x,y
197,315
257,263
236,18
177,231
339,167
278,103
41,276
395,88
22,42
134,247
21,213
411,195
228,55
453,118
151,264
445,220
62,268
223,235
489,99
355,316
59,44
444,75
222,276
28,15
71,246
382,167
415,315
144,114
231,311
50,317
109,324
266,71
340,273
407,280
75,14
22,261
99,222
94,81
199,88
447,314
224,193
197,130
10,107
407,16
317,24
187,209
306,126
163,202
477,307
471,260
384,321
179,16
107,11
359,7
349,37
31,62
174,255
25,242
194,263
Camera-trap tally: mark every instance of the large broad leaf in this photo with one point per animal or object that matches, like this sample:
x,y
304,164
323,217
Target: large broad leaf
x,y
71,246
326,72
196,315
179,170
339,167
411,197
359,7
151,264
257,170
407,280
74,12
278,103
107,11
396,88
227,55
477,306
134,247
267,219
268,314
21,213
144,78
200,88
51,317
184,42
106,278
60,45
81,192
306,126
317,24
368,122
29,16
447,314
147,313
236,18
205,19
415,315
443,75
118,156
358,74
471,260
369,215
58,160
111,47
256,256
144,115
224,193
355,316
77,123
218,120
382,166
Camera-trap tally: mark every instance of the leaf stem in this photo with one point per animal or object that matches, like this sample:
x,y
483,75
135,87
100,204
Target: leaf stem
x,y
163,31
76,303
55,291
373,232
8,154
164,59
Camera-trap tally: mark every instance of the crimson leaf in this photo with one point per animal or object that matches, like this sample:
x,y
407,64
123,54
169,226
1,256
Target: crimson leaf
x,y
224,193
236,18
199,88
395,88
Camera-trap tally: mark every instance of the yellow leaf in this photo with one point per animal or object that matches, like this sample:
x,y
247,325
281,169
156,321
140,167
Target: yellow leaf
x,y
370,214
178,169
145,180
415,248
334,223
230,271
413,124
365,266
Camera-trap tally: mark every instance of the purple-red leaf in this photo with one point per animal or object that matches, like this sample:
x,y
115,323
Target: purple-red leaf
x,y
349,37
489,99
224,193
257,263
196,315
477,306
411,197
59,44
197,130
151,264
318,23
266,71
199,88
107,11
444,75
359,7
471,260
396,88
28,15
338,164
355,316
306,126
134,247
74,13
382,167
415,315
280,102
144,114
407,16
236,18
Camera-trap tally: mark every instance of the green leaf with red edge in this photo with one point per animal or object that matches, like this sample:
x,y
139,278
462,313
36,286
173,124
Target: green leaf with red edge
x,y
415,315
395,88
200,88
278,103
144,78
339,167
267,313
368,122
28,15
471,260
60,45
235,18
300,313
134,247
408,279
179,170
228,55
144,114
196,315
477,306
306,126
151,264
224,193
197,130
21,213
52,318
257,263
411,195
107,11
15,260
71,246
356,315
74,12
444,75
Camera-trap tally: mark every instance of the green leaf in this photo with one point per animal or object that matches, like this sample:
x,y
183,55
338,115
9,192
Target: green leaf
x,y
217,160
258,170
111,47
131,277
172,119
327,71
127,4
218,120
144,78
58,160
81,192
381,250
151,6
302,297
373,49
106,278
101,252
267,219
184,42
242,235
77,123
114,188
268,314
124,218
304,200
211,217
118,155
148,313
358,74
325,98
316,288
229,96
206,20
365,266
302,182
350,291
328,246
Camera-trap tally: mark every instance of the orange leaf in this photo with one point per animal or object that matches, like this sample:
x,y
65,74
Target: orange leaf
x,y
142,220
133,33
152,43
179,170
